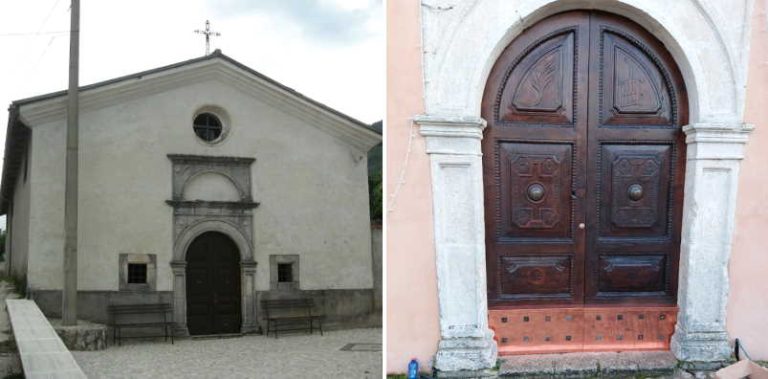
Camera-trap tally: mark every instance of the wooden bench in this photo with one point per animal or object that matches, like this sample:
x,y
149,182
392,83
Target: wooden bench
x,y
141,316
291,314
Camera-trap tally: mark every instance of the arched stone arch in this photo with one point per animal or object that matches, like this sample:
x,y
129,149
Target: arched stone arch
x,y
461,42
714,72
238,236
247,271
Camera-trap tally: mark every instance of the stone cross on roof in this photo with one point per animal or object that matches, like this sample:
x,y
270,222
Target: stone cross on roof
x,y
208,33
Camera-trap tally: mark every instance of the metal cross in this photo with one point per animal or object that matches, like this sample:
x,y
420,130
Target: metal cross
x,y
207,33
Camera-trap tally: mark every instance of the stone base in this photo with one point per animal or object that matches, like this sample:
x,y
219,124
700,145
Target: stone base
x,y
466,374
85,336
629,364
700,346
462,356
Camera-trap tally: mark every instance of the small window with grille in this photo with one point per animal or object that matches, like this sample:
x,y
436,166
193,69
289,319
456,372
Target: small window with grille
x,y
284,272
137,273
208,127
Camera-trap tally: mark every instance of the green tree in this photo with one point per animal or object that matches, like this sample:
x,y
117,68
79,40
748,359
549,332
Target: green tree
x,y
2,245
374,178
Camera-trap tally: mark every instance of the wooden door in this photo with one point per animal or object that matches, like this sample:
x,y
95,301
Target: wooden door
x,y
213,285
583,166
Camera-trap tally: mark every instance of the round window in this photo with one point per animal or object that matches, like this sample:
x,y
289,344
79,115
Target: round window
x,y
208,127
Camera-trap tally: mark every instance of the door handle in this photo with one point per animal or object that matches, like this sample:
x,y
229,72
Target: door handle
x,y
573,195
582,226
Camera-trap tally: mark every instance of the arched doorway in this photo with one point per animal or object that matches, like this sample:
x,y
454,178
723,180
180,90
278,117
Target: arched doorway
x,y
213,285
583,162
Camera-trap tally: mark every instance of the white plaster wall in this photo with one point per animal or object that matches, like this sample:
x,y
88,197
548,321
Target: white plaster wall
x,y
312,188
19,223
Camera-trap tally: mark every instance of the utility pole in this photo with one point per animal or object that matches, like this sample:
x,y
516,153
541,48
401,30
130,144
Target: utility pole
x,y
207,33
69,294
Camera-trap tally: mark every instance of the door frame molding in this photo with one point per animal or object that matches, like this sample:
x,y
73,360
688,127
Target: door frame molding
x,y
452,128
231,218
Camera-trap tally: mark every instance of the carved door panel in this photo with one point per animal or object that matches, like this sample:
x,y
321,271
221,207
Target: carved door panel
x,y
636,155
534,153
582,165
213,285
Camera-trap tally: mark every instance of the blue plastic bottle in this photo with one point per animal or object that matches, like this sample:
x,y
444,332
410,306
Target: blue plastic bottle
x,y
413,369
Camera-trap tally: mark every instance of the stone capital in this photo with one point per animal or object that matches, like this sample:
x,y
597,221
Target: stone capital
x,y
451,135
248,267
178,267
716,140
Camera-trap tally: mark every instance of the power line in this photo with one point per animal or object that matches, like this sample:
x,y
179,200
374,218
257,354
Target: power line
x,y
50,13
36,34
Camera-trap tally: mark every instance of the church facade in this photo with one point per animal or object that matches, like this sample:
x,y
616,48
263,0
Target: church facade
x,y
203,184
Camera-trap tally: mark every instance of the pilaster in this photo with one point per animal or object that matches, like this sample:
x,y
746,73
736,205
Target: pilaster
x,y
715,151
466,343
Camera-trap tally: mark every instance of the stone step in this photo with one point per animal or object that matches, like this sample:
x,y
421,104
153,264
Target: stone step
x,y
579,365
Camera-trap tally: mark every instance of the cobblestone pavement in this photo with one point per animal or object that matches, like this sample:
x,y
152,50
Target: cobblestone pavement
x,y
290,356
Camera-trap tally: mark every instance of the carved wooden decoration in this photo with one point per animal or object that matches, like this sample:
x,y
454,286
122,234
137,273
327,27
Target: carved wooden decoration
x,y
634,191
543,276
635,92
540,87
583,164
537,182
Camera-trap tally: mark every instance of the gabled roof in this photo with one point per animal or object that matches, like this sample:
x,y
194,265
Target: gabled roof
x,y
52,105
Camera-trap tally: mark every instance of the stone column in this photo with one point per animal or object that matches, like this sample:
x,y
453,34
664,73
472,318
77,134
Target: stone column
x,y
180,297
453,144
250,323
711,180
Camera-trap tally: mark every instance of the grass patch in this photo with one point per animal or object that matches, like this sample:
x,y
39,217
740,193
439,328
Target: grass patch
x,y
19,283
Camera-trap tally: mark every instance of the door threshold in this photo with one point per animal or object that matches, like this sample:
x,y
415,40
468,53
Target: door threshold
x,y
569,329
604,364
216,336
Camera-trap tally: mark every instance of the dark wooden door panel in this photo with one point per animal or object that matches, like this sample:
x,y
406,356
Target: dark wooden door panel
x,y
535,147
619,274
213,285
583,165
536,277
536,179
634,190
636,153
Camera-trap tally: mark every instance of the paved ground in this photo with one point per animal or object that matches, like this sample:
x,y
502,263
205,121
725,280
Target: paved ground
x,y
291,356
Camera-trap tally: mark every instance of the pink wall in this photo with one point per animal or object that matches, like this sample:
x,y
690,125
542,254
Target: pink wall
x,y
412,316
748,302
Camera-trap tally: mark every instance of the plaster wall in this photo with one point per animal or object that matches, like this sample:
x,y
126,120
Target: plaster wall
x,y
19,223
748,304
312,188
412,315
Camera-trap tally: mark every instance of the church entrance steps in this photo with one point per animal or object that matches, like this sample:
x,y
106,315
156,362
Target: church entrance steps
x,y
582,329
578,365
42,352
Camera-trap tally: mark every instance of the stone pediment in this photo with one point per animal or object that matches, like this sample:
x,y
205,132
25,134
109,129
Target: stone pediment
x,y
216,67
